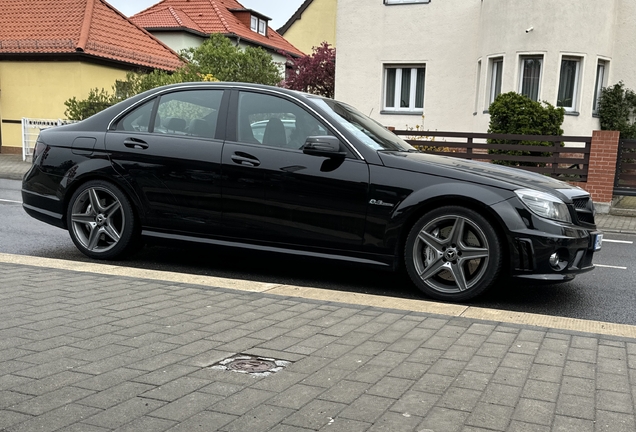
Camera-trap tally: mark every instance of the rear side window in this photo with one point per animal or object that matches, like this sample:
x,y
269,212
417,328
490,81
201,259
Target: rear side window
x,y
188,113
138,120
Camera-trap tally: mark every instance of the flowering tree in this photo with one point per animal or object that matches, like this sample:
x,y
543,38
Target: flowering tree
x,y
314,73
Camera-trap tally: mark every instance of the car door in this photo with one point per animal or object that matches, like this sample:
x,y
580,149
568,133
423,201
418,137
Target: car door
x,y
169,150
274,192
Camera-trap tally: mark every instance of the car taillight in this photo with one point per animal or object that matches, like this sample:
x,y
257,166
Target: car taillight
x,y
38,150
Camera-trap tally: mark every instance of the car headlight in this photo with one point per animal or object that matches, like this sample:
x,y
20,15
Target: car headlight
x,y
544,204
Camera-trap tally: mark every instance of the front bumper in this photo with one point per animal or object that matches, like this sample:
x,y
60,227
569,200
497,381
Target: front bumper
x,y
547,250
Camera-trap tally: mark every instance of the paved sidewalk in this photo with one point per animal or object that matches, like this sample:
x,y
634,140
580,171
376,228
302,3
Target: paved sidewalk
x,y
94,351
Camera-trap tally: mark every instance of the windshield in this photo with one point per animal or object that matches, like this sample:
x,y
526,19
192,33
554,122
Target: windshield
x,y
367,130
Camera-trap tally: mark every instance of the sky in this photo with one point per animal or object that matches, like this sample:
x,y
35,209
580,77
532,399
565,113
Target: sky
x,y
278,10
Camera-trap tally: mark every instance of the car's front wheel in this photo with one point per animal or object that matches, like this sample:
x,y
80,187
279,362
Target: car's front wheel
x,y
100,220
453,253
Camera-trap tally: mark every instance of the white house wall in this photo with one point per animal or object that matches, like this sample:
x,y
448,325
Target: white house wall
x,y
451,36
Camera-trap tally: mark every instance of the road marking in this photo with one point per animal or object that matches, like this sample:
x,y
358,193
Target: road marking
x,y
609,266
617,241
10,201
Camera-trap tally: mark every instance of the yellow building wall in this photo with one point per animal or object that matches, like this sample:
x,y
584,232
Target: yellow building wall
x,y
316,25
39,90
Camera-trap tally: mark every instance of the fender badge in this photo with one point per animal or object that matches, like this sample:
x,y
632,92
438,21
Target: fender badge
x,y
380,203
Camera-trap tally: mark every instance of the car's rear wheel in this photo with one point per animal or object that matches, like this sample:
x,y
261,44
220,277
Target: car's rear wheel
x,y
453,253
100,220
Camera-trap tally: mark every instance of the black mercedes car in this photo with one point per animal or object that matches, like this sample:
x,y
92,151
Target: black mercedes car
x,y
257,167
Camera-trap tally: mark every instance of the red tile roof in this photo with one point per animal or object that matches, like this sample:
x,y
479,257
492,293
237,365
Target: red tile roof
x,y
209,16
92,27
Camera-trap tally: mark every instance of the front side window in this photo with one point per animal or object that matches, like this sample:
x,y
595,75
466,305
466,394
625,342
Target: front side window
x,y
262,27
569,83
275,122
496,73
404,89
368,132
530,77
600,82
188,113
254,24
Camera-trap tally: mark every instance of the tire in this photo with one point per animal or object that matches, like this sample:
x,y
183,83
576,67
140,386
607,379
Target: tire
x,y
453,253
100,220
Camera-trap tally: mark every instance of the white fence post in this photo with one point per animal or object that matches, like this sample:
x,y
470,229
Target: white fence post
x,y
31,130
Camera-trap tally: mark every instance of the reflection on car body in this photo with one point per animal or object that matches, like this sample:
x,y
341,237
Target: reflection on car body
x,y
276,170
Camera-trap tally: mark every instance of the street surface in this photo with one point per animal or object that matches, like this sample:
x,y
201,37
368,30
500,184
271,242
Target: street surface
x,y
606,294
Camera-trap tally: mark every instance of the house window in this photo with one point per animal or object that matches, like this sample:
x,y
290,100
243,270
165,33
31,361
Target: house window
x,y
569,83
600,80
388,2
404,89
259,25
496,72
530,77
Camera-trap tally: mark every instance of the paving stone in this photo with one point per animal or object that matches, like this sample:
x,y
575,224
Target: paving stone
x,y
205,421
260,419
296,396
176,389
50,401
442,419
534,411
415,403
326,377
541,390
491,417
187,406
241,402
392,421
367,408
54,420
315,415
607,421
115,395
568,424
576,406
345,391
614,401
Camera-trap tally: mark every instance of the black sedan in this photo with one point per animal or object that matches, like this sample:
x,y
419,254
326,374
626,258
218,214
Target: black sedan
x,y
264,168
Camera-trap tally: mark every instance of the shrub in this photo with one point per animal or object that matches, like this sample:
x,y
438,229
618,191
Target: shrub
x,y
513,113
616,109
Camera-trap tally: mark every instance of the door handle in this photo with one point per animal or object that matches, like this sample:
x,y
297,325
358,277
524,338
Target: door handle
x,y
244,159
135,143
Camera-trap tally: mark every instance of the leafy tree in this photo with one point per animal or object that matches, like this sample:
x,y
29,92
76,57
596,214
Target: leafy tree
x,y
617,108
96,101
216,59
315,73
513,113
227,62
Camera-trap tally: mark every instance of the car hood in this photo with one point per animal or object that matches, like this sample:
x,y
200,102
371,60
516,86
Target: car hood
x,y
478,172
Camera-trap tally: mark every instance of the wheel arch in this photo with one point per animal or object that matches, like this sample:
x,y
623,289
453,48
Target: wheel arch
x,y
416,211
108,177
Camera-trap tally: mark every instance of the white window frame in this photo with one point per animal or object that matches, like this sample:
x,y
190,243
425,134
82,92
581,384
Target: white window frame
x,y
262,27
254,23
396,108
495,70
390,2
599,83
577,79
522,60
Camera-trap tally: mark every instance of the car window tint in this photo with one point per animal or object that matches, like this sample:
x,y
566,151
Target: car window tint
x,y
188,113
275,121
137,120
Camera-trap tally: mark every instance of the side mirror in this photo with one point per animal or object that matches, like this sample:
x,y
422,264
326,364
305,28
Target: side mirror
x,y
327,146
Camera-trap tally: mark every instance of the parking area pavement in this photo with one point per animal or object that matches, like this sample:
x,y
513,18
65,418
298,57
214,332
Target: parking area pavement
x,y
89,347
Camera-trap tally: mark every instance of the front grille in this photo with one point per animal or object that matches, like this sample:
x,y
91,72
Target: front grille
x,y
584,209
581,203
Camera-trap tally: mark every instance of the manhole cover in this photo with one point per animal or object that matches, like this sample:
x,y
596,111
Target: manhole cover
x,y
251,365
257,366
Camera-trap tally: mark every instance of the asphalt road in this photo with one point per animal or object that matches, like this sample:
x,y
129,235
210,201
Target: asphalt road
x,y
606,294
